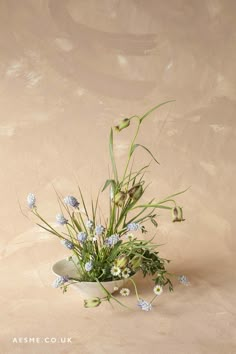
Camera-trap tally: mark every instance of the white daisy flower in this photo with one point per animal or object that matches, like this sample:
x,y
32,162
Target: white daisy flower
x,y
158,290
115,270
125,292
115,288
126,273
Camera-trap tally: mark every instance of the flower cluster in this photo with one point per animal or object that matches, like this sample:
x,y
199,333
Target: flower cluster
x,y
88,266
31,200
133,226
184,280
71,201
59,281
67,244
99,229
82,237
61,219
144,305
112,240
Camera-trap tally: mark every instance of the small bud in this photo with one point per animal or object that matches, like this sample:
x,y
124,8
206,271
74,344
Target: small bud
x,y
121,261
124,124
177,214
93,302
136,262
136,192
71,201
31,200
120,198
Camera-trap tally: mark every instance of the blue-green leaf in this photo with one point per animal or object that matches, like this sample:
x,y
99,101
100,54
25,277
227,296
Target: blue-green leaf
x,y
144,147
153,109
108,182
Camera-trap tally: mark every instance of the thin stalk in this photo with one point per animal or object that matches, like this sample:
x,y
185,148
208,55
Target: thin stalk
x,y
130,150
153,299
45,222
135,288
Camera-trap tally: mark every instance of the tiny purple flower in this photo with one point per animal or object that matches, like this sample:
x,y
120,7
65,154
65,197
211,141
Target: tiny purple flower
x,y
61,219
133,226
31,200
67,244
112,240
184,280
59,281
144,305
88,266
99,229
72,201
82,237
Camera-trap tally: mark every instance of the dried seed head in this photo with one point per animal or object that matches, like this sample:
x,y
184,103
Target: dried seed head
x,y
136,192
120,198
177,214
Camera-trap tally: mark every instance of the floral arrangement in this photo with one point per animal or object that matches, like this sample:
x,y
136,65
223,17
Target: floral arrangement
x,y
112,249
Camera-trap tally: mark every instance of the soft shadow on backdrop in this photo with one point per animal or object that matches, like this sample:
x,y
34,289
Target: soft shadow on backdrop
x,y
70,70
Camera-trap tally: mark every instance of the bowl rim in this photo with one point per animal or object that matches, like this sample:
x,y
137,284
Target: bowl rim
x,y
91,282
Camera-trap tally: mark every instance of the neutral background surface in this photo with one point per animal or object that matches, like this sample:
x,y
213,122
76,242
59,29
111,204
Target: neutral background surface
x,y
70,70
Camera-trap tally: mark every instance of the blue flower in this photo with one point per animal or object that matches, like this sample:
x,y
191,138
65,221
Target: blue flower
x,y
31,200
89,224
112,240
183,280
72,201
59,281
82,237
144,305
133,226
67,244
88,266
99,229
61,219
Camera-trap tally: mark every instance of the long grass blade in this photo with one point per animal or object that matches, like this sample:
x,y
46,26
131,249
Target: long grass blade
x,y
154,108
135,146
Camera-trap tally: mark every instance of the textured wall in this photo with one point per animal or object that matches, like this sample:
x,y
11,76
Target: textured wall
x,y
70,70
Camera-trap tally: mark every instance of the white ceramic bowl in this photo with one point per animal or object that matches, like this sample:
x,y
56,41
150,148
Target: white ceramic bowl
x,y
86,289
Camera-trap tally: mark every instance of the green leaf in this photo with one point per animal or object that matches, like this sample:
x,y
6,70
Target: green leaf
x,y
152,206
46,229
76,223
144,147
173,195
93,211
159,204
134,173
111,150
153,109
108,182
85,209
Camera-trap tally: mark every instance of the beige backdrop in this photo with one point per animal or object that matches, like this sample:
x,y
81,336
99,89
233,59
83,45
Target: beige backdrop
x,y
69,70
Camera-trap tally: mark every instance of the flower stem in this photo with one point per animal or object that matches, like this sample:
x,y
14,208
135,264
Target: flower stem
x,y
130,150
135,288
